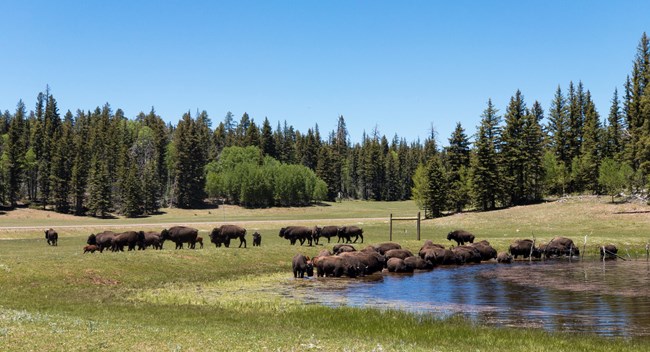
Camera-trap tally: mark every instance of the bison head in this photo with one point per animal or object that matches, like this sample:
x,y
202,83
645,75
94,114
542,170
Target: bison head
x,y
92,239
164,234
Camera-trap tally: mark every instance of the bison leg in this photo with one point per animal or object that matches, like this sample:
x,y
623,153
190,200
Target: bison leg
x,y
242,240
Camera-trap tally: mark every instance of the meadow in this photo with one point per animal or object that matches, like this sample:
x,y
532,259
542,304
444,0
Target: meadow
x,y
214,299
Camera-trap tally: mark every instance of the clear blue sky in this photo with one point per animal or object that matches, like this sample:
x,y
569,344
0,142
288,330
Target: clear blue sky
x,y
402,66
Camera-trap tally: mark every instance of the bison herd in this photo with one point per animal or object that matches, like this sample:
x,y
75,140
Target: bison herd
x,y
179,235
312,235
346,260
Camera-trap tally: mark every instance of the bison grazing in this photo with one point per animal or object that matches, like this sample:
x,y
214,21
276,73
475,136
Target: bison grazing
x,y
504,258
90,248
524,247
224,233
52,237
561,246
180,235
257,239
397,265
302,265
487,252
335,266
460,236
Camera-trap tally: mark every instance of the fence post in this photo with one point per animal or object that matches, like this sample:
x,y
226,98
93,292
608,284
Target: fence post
x,y
418,226
390,227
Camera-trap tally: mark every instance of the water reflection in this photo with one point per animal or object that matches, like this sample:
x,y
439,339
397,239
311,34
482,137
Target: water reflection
x,y
610,299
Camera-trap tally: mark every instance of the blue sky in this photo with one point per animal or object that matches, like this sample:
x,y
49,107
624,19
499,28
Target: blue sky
x,y
399,66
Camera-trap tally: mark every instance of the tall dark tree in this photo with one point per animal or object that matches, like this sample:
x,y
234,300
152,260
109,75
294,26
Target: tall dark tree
x,y
533,150
436,192
458,162
189,183
558,127
62,161
49,128
15,155
486,179
513,159
81,161
613,143
590,151
267,143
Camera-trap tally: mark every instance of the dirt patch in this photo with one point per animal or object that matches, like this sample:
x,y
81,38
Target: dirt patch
x,y
97,279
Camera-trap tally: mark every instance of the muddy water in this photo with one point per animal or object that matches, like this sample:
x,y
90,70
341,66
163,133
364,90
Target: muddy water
x,y
609,299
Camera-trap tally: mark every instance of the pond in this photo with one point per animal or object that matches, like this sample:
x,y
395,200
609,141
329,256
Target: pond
x,y
610,299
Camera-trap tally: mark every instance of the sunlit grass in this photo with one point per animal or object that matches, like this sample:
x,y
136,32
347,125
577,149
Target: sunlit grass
x,y
56,298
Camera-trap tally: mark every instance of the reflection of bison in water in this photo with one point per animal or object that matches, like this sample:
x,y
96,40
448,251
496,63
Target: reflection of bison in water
x,y
52,237
460,236
524,248
224,233
180,235
561,246
608,252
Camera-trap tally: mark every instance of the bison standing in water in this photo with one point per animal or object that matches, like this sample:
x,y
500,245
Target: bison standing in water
x,y
224,233
608,252
180,235
561,246
524,247
302,265
52,237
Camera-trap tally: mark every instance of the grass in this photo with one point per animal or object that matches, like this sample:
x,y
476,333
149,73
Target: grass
x,y
56,298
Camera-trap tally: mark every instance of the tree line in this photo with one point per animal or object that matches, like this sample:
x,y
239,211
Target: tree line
x,y
98,162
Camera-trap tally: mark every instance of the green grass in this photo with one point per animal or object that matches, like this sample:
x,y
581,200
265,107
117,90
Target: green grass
x,y
56,298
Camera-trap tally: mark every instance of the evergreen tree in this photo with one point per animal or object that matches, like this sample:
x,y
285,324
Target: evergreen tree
x,y
267,142
81,162
486,175
513,160
613,144
458,160
60,175
391,185
133,197
533,153
189,181
558,128
436,192
49,127
15,155
590,150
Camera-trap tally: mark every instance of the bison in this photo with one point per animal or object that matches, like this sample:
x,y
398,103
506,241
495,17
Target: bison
x,y
103,240
180,235
382,248
90,248
257,239
525,248
128,238
151,239
329,232
504,258
608,252
460,236
561,246
224,233
52,237
300,233
347,232
302,265
336,266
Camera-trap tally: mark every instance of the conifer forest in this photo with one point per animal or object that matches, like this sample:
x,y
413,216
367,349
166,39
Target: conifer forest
x,y
100,162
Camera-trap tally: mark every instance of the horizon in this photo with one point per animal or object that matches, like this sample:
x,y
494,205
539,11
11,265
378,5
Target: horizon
x,y
400,68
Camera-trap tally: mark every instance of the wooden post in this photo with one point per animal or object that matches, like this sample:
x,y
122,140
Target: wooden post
x,y
584,248
418,226
390,227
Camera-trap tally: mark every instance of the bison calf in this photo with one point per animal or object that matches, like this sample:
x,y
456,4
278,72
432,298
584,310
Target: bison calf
x,y
257,239
90,248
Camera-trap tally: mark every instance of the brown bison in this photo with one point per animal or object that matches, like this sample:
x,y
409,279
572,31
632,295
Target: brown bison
x,y
329,232
397,265
128,238
439,256
487,252
103,240
199,240
340,248
417,263
608,252
257,239
302,265
346,233
398,253
180,235
467,254
90,248
460,236
224,233
504,258
335,266
52,237
382,248
561,246
151,239
525,248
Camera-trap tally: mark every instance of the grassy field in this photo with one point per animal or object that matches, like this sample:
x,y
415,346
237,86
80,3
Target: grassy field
x,y
58,299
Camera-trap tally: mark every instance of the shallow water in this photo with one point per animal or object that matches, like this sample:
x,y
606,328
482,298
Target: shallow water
x,y
610,299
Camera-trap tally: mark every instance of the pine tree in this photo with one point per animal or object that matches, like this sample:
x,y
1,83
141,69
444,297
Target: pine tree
x,y
513,161
590,152
391,189
133,198
81,161
558,127
486,175
534,140
60,174
50,126
267,142
190,142
613,144
457,156
15,155
436,192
